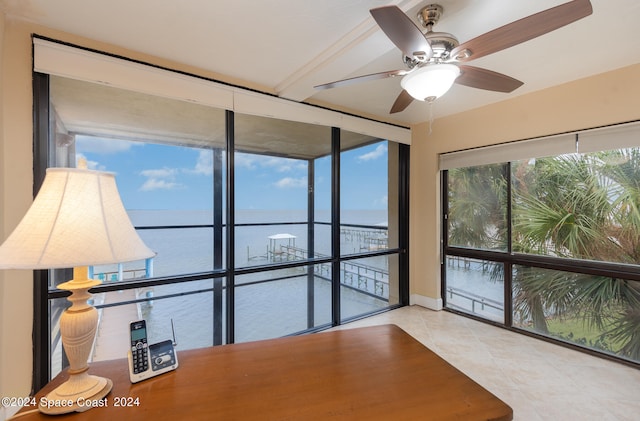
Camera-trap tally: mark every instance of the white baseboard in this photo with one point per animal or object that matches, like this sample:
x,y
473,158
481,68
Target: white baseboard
x,y
427,302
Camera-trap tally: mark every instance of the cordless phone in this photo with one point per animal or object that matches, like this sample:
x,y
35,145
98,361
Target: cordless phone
x,y
149,360
139,346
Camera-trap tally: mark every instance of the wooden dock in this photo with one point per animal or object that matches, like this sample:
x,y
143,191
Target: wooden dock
x,y
112,338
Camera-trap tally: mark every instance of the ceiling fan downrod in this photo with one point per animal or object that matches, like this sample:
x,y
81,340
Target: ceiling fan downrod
x,y
430,15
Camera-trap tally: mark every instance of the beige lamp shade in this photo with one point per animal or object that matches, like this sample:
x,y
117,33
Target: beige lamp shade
x,y
77,219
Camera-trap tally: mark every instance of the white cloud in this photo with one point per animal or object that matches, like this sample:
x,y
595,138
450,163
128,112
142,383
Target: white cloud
x,y
204,164
158,184
243,160
160,179
284,165
160,173
379,151
283,168
291,183
266,161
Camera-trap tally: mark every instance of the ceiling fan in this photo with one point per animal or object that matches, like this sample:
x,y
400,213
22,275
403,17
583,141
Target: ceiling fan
x,y
432,58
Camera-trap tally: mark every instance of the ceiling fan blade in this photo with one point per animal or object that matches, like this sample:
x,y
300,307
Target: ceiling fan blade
x,y
402,102
358,79
402,32
523,30
475,77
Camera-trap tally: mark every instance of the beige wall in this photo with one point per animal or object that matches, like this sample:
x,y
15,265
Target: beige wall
x,y
608,98
16,302
600,100
2,235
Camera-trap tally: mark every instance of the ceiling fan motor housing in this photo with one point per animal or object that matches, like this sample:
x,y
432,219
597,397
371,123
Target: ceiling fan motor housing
x,y
441,42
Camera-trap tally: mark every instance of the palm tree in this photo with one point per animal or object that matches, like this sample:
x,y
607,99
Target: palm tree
x,y
477,207
582,207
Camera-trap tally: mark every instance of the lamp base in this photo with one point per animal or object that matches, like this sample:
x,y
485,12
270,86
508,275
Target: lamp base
x,y
78,325
79,393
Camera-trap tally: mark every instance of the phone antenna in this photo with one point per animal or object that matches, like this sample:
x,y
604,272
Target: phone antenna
x,y
173,332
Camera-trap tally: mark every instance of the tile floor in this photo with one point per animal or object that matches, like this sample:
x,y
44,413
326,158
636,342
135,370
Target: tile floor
x,y
539,380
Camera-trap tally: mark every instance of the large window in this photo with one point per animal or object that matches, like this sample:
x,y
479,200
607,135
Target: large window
x,y
368,223
262,227
548,243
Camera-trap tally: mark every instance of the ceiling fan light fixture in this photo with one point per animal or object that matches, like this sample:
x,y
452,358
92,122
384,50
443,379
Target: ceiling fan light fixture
x,y
431,81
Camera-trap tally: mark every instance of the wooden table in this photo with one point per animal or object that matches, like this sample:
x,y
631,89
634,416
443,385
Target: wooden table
x,y
364,374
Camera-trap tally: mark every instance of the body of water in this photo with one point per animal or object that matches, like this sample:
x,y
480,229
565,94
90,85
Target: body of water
x,y
262,310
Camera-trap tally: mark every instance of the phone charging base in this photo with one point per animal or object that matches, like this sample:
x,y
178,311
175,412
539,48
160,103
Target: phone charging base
x,y
162,358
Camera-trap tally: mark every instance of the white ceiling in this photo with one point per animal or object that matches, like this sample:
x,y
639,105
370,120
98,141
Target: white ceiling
x,y
288,46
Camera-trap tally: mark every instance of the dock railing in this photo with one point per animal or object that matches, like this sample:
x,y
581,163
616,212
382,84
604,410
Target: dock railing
x,y
476,304
363,278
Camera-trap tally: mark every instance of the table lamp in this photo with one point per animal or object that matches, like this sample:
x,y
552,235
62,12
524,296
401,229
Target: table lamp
x,y
76,220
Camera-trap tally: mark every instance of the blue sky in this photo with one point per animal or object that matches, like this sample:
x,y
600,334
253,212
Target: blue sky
x,y
155,176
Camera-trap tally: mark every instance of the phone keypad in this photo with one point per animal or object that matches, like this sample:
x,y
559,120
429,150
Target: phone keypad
x,y
140,357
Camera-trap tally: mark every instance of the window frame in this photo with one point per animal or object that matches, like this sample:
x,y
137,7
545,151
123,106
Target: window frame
x,y
43,295
509,259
